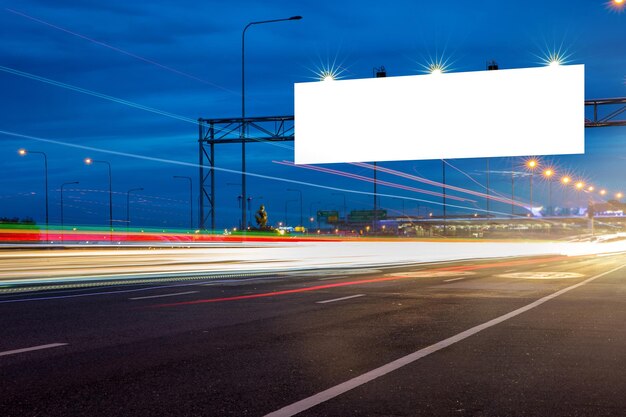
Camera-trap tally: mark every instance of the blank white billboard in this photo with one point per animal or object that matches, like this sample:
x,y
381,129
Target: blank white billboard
x,y
530,111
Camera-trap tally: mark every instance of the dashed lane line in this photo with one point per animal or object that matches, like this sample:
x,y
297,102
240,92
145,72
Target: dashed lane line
x,y
163,295
30,349
340,299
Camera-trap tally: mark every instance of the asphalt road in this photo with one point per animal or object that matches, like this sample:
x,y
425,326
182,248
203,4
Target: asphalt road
x,y
512,337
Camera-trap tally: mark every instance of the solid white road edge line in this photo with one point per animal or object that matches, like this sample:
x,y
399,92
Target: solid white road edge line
x,y
48,346
340,299
163,295
346,386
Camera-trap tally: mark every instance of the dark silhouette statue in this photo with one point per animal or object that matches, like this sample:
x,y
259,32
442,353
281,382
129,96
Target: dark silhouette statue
x,y
261,217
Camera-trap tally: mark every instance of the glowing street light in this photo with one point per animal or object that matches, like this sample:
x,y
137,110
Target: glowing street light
x,y
548,174
243,111
23,152
602,192
579,185
89,161
531,164
565,181
619,195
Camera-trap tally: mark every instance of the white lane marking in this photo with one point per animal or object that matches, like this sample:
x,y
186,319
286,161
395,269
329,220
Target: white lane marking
x,y
48,346
340,299
163,295
453,279
350,384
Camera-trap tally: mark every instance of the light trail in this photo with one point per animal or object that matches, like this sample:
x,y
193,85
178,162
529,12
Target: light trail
x,y
435,183
367,179
121,101
232,171
122,51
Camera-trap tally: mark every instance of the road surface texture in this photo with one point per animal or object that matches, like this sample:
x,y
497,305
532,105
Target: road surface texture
x,y
534,336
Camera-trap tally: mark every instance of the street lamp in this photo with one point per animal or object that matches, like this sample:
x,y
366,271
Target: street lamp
x,y
243,111
532,164
565,181
619,195
24,152
89,161
62,218
345,213
286,216
579,187
548,174
300,192
128,205
182,177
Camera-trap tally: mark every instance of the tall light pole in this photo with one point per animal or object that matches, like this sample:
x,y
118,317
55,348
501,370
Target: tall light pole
x,y
300,192
443,191
182,177
548,173
128,205
311,211
532,164
565,181
345,213
286,204
23,152
63,218
243,111
90,161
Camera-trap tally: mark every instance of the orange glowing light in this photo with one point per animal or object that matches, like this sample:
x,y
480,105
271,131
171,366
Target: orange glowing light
x,y
22,152
532,164
580,185
602,192
548,173
566,180
88,161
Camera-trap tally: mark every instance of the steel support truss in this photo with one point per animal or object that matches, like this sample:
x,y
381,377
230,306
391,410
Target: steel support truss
x,y
611,108
223,131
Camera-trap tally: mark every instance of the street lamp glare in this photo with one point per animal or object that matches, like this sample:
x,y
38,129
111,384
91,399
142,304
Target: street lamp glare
x,y
602,192
22,152
566,180
580,185
532,164
591,188
548,173
88,161
619,195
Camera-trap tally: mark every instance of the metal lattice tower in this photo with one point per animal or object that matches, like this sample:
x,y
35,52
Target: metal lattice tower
x,y
222,131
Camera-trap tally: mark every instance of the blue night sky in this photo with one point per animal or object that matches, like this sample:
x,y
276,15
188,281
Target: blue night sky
x,y
184,58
